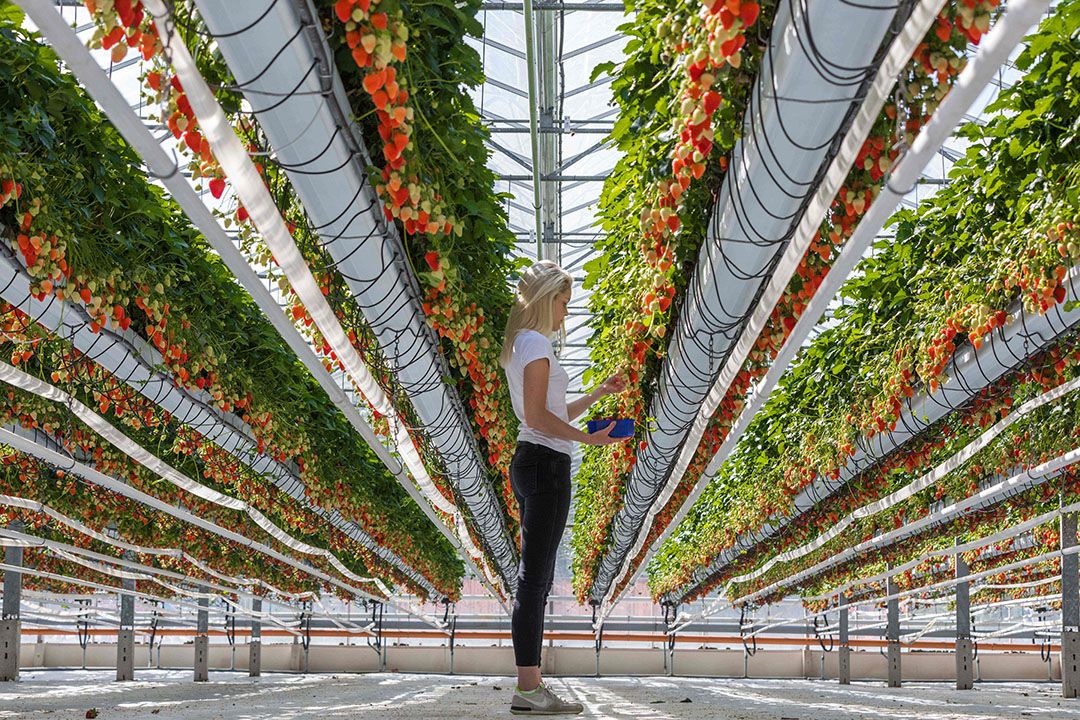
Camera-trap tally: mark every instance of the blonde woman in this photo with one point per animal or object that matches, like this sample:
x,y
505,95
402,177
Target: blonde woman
x,y
540,470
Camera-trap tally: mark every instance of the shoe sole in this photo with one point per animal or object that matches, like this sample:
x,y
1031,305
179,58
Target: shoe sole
x,y
516,710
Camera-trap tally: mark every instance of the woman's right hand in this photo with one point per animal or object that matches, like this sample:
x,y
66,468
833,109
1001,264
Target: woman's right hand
x,y
603,437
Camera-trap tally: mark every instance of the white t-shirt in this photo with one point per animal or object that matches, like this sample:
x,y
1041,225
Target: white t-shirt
x,y
530,345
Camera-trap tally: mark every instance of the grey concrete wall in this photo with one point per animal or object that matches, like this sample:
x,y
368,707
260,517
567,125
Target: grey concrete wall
x,y
800,663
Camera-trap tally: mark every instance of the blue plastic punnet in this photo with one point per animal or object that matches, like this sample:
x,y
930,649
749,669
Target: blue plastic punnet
x,y
624,427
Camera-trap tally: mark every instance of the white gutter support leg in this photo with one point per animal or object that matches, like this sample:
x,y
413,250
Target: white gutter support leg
x,y
10,625
255,641
202,642
965,666
892,634
125,636
1070,610
844,658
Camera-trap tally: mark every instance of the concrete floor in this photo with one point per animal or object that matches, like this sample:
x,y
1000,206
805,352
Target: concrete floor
x,y
63,694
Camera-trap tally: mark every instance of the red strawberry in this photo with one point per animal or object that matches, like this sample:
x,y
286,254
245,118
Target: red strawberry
x,y
343,8
379,20
943,29
732,46
432,259
710,101
217,187
374,81
748,13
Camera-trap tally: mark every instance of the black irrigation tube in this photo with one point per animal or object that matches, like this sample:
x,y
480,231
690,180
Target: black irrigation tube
x,y
366,259
681,393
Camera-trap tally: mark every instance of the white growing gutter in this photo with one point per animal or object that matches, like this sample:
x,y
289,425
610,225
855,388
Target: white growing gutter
x,y
131,360
148,597
30,447
99,562
759,209
17,378
340,201
162,166
990,496
925,481
685,619
992,53
971,371
73,524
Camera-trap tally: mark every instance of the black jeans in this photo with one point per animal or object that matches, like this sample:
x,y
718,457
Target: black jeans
x,y
540,478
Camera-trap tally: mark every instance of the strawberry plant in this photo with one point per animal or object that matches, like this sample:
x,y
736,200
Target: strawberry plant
x,y
995,241
704,101
149,273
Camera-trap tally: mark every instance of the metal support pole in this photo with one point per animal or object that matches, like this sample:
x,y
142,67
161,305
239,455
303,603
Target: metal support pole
x,y
230,633
125,636
534,135
202,641
892,634
379,645
844,659
965,669
255,643
670,613
1070,610
10,624
453,635
154,619
305,625
82,626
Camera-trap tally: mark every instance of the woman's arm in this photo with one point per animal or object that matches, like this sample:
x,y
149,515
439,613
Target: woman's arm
x,y
612,386
574,409
538,417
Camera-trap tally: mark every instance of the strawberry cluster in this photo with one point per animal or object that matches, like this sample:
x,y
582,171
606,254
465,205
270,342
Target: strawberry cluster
x,y
377,38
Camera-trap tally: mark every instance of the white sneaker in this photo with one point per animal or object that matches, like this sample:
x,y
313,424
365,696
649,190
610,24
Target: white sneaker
x,y
542,702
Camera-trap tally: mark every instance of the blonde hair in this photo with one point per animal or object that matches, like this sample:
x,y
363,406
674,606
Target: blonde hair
x,y
533,306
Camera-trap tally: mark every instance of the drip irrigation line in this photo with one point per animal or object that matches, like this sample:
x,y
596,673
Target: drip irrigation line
x,y
666,465
471,486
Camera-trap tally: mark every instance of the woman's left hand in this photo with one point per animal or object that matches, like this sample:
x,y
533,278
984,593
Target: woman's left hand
x,y
613,385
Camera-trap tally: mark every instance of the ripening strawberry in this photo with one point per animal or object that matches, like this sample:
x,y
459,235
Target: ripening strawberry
x,y
217,187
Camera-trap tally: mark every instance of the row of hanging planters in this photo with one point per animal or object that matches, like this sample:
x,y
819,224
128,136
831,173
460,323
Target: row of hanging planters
x,y
401,66
33,412
407,69
1046,434
25,477
994,245
690,68
63,172
707,58
931,447
181,447
1038,541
